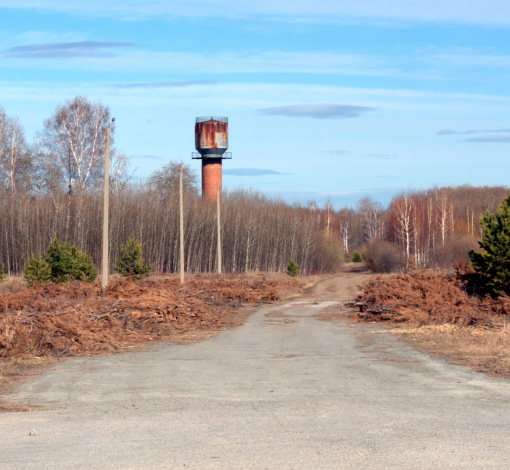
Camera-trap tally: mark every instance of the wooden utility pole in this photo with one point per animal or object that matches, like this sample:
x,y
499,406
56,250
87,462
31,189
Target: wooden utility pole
x,y
219,226
181,222
104,277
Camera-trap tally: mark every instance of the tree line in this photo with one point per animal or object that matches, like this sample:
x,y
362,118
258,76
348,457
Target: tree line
x,y
436,226
51,189
258,233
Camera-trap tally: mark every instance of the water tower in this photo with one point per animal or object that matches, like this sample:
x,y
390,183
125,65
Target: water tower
x,y
211,142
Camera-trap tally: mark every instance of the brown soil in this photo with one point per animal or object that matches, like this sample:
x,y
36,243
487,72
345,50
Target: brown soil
x,y
276,317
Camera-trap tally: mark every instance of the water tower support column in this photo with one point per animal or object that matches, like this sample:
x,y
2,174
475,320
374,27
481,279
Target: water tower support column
x,y
211,177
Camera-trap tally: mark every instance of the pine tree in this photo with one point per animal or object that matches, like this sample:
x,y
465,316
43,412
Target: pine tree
x,y
3,276
37,271
130,263
292,268
494,259
357,258
67,263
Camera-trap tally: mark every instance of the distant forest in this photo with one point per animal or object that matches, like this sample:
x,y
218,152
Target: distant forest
x,y
52,188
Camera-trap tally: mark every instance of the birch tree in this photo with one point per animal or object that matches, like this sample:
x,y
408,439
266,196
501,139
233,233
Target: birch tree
x,y
403,212
372,214
16,159
74,141
120,171
444,214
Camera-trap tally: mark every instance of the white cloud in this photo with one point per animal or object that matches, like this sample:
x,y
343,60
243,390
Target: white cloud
x,y
64,50
472,131
41,37
254,96
175,84
336,152
318,111
458,11
490,138
219,63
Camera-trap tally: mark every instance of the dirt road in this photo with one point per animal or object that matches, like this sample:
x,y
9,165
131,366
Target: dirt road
x,y
285,391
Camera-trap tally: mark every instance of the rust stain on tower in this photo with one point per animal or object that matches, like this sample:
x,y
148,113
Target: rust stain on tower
x,y
211,142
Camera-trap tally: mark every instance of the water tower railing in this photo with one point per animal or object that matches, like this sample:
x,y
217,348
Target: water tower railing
x,y
224,156
214,118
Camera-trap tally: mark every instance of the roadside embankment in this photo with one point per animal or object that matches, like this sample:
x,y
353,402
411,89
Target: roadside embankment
x,y
433,311
78,318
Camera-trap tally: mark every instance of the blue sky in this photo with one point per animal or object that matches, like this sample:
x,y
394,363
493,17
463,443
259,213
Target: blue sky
x,y
324,98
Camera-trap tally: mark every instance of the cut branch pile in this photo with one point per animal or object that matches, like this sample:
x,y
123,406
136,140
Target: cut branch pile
x,y
77,318
426,297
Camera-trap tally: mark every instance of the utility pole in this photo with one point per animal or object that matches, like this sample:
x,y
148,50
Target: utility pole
x,y
219,226
104,277
181,228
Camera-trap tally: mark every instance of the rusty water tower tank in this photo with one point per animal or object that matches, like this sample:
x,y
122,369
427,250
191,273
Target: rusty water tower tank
x,y
211,142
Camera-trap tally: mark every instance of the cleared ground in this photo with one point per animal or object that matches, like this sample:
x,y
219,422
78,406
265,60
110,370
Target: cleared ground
x,y
46,324
285,390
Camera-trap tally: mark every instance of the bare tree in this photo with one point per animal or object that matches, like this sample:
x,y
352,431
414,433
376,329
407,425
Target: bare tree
x,y
166,180
329,213
372,214
17,159
403,222
120,171
444,213
73,140
344,218
74,143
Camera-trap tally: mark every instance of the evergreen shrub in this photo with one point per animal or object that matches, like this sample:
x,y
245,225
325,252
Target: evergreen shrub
x,y
493,261
356,257
67,263
292,268
130,263
62,262
37,271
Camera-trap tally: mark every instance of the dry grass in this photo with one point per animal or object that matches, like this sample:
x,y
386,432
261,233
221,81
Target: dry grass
x,y
482,349
13,285
434,312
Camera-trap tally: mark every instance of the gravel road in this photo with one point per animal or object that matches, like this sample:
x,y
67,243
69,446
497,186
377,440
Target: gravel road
x,y
284,391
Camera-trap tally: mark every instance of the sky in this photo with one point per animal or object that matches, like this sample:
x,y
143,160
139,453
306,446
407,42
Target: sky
x,y
325,99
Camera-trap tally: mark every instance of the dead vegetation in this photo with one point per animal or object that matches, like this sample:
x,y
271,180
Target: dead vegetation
x,y
486,350
46,323
78,319
13,284
433,311
427,297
